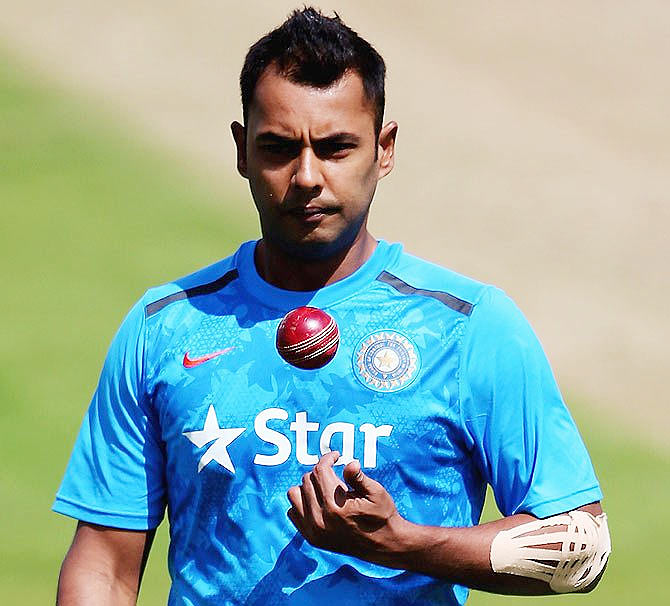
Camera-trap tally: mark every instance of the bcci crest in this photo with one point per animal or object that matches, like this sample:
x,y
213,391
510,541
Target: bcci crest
x,y
386,361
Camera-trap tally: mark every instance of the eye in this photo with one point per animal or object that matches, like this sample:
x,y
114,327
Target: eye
x,y
333,149
280,149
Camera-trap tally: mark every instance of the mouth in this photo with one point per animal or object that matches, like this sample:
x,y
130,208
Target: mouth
x,y
311,213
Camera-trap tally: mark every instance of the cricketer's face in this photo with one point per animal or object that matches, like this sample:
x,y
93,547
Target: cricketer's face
x,y
313,162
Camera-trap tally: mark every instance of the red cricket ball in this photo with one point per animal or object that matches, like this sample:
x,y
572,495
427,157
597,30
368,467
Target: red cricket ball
x,y
307,337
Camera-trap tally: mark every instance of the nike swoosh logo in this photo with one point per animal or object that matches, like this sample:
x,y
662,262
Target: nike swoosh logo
x,y
191,362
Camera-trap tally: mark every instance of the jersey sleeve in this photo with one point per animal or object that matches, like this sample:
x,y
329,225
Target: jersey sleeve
x,y
115,476
516,423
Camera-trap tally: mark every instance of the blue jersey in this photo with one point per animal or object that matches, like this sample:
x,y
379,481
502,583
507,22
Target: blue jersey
x,y
439,386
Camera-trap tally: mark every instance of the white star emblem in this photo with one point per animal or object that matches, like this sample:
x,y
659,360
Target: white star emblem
x,y
221,437
387,360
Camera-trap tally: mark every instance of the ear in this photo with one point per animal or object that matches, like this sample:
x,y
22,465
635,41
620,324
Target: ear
x,y
240,137
386,148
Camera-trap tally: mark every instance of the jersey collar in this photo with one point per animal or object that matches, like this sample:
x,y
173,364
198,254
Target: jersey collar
x,y
285,300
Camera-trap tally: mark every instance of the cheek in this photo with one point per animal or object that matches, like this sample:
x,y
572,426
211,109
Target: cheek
x,y
367,184
355,182
270,184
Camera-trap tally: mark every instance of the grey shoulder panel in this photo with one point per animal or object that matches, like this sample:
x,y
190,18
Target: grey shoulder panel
x,y
194,291
451,301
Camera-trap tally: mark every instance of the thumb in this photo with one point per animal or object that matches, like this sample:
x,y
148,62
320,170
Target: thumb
x,y
354,476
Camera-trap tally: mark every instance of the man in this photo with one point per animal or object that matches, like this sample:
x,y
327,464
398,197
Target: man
x,y
439,387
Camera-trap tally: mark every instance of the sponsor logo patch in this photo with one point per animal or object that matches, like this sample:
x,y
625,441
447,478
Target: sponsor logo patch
x,y
386,361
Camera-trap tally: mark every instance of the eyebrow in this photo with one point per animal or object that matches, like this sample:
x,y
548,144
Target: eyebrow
x,y
269,137
340,137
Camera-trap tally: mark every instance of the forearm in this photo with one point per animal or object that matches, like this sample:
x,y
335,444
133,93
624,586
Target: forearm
x,y
458,555
463,555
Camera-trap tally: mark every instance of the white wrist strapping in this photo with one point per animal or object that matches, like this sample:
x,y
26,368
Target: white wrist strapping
x,y
584,549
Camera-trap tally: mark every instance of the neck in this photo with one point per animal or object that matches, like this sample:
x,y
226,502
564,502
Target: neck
x,y
292,273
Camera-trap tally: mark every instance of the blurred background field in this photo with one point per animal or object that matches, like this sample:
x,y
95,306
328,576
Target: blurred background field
x,y
93,213
90,218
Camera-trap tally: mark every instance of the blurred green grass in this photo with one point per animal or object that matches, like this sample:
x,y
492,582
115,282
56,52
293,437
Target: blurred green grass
x,y
91,216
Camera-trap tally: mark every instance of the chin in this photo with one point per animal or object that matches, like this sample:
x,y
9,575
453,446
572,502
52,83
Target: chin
x,y
315,249
316,244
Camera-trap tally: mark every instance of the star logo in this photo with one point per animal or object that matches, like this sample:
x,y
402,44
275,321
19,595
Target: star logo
x,y
221,438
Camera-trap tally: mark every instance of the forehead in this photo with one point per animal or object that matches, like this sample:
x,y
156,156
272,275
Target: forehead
x,y
285,107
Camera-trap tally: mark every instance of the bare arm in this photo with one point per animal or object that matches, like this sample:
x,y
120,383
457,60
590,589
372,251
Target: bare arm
x,y
365,523
462,555
103,566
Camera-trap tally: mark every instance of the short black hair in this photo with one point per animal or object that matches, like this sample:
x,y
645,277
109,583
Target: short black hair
x,y
313,49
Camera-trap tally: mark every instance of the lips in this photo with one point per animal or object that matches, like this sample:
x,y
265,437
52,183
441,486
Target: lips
x,y
311,210
311,213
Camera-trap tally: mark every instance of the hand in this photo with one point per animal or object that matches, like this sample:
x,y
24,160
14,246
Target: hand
x,y
358,518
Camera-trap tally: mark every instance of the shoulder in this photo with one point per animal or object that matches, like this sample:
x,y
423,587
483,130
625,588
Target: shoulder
x,y
409,274
488,314
205,281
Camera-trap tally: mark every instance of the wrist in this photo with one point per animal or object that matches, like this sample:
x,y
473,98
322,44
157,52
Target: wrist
x,y
419,548
404,543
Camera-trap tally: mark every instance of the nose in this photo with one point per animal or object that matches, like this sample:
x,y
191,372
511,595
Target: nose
x,y
308,175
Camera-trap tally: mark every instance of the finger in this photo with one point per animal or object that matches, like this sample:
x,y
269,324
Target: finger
x,y
321,474
317,488
298,522
326,481
295,499
296,518
310,502
329,458
296,513
354,476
